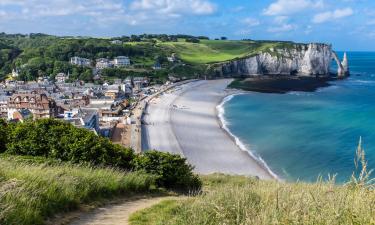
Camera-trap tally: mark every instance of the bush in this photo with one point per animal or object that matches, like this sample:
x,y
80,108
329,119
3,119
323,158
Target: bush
x,y
3,135
59,140
172,171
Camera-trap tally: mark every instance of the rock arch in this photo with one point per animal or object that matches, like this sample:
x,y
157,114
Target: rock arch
x,y
342,70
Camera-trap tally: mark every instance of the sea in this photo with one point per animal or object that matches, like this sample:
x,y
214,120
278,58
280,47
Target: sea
x,y
305,136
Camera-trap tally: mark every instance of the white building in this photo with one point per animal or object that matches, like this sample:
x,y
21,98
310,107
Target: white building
x,y
80,61
116,42
61,77
121,61
15,73
103,63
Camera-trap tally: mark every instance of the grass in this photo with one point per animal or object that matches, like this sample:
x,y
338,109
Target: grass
x,y
156,215
214,51
31,190
242,200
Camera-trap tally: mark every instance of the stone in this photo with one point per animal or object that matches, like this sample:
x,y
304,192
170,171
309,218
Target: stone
x,y
311,60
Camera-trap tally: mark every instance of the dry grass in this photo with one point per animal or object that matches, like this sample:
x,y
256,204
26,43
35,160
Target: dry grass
x,y
239,200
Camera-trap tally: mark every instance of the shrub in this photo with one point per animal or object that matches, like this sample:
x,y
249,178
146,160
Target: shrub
x,y
3,135
172,171
59,140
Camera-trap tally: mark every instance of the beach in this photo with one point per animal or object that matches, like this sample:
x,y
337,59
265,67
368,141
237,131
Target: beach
x,y
184,120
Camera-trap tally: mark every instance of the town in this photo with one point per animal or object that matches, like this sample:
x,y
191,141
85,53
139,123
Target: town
x,y
106,109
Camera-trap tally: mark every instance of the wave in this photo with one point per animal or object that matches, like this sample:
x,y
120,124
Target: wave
x,y
300,93
239,143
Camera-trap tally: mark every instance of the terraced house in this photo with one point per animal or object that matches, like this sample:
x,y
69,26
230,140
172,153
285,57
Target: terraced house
x,y
37,105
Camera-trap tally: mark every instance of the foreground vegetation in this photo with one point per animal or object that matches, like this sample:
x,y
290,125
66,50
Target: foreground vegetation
x,y
32,190
242,200
49,166
58,140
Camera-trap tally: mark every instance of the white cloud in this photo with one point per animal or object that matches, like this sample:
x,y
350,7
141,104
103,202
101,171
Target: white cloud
x,y
102,12
282,28
250,22
43,8
332,15
288,7
281,25
175,7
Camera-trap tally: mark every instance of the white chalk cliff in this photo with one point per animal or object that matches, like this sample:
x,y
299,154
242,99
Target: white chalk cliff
x,y
302,60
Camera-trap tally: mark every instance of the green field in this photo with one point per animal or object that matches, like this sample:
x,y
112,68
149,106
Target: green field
x,y
215,51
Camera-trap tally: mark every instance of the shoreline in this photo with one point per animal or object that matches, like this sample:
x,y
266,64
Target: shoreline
x,y
220,111
185,121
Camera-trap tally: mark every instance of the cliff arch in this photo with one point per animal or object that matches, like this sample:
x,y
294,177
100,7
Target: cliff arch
x,y
341,70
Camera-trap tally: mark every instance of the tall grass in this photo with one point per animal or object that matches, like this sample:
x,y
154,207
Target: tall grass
x,y
240,200
31,192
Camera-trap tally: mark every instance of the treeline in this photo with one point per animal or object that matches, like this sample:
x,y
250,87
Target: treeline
x,y
160,37
36,55
54,139
42,55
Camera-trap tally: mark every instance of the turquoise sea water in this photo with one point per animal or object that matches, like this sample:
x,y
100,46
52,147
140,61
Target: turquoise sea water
x,y
303,135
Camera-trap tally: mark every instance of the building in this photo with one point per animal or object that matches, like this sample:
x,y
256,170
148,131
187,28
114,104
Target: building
x,y
15,73
80,61
121,61
116,42
140,82
157,66
172,58
61,78
112,94
84,118
38,104
3,106
103,63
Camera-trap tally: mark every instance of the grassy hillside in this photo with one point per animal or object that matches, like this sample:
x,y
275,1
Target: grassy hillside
x,y
240,200
32,189
213,51
45,55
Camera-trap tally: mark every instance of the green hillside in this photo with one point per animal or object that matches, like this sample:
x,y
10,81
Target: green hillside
x,y
215,51
37,55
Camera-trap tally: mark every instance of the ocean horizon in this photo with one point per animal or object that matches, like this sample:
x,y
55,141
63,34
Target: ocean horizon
x,y
307,135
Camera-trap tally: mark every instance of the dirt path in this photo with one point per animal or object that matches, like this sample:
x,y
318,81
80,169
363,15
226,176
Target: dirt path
x,y
117,214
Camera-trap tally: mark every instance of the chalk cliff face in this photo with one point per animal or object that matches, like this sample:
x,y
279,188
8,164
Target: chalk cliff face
x,y
302,60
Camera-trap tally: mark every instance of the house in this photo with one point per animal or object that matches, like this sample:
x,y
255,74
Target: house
x,y
61,78
80,61
172,58
121,61
116,42
15,73
103,63
22,115
3,106
157,66
112,94
84,118
38,104
140,82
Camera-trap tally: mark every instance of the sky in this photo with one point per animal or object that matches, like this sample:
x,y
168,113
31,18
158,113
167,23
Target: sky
x,y
346,24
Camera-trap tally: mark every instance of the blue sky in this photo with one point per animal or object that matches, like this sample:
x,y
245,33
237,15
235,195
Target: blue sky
x,y
347,24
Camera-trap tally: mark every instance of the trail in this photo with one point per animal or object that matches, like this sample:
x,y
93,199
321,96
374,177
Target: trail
x,y
116,214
